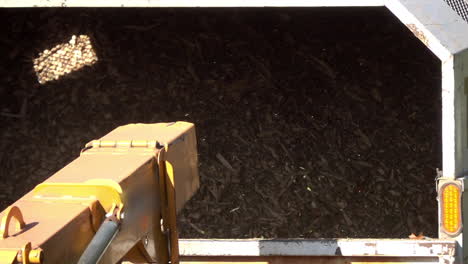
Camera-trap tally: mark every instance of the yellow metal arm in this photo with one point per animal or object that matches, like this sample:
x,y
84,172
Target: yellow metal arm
x,y
144,171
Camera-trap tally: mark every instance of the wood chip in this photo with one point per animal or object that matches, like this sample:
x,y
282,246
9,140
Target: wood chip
x,y
224,162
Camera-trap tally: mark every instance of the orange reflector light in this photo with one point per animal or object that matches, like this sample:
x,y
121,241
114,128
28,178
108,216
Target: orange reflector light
x,y
450,195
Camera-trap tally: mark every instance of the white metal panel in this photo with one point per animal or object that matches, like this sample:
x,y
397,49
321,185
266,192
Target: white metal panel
x,y
419,28
188,3
448,119
438,19
319,247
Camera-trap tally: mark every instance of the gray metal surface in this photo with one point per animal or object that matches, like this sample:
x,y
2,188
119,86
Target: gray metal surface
x,y
459,6
434,23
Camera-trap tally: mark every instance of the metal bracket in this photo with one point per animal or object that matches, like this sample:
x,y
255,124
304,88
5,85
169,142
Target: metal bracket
x,y
123,144
168,199
11,212
26,255
107,192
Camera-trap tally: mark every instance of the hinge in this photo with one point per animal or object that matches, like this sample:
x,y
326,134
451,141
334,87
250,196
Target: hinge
x,y
153,144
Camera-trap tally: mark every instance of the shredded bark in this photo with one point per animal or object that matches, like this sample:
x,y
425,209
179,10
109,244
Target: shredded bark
x,y
310,122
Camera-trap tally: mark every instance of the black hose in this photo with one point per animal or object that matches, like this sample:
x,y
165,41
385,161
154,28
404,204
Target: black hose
x,y
99,243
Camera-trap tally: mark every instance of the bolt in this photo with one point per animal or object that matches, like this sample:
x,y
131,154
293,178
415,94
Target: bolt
x,y
146,241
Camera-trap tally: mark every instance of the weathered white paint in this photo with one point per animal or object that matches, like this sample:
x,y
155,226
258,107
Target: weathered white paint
x,y
410,20
448,118
319,247
188,3
436,17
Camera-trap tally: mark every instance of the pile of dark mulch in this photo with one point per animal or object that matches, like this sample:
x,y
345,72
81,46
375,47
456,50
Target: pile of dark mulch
x,y
310,122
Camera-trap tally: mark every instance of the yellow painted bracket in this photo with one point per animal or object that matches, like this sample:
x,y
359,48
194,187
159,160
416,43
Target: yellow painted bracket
x,y
29,255
26,255
10,213
9,256
172,213
107,192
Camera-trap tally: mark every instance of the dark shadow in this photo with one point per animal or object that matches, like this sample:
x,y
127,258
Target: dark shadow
x,y
26,228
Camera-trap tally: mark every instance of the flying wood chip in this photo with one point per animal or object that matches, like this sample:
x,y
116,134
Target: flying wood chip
x,y
417,237
64,58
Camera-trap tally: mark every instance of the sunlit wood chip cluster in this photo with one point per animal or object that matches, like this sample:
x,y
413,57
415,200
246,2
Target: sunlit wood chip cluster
x,y
64,58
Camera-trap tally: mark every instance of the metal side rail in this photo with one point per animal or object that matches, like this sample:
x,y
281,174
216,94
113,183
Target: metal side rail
x,y
302,251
